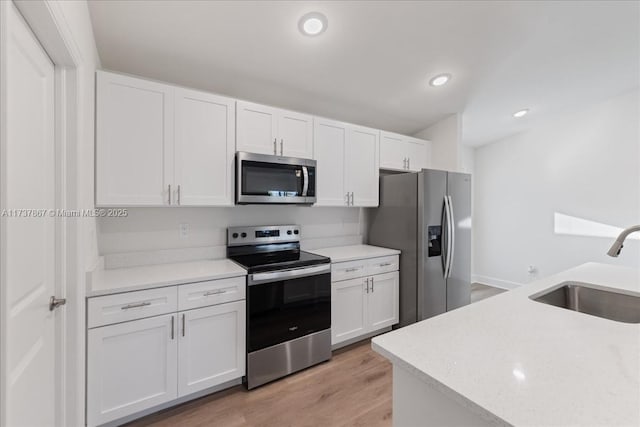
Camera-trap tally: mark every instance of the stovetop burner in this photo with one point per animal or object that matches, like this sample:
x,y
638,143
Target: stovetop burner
x,y
269,248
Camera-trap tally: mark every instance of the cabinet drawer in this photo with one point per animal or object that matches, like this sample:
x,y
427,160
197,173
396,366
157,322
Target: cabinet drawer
x,y
212,292
131,305
383,264
348,270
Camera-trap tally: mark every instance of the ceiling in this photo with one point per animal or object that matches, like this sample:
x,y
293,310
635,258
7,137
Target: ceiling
x,y
373,64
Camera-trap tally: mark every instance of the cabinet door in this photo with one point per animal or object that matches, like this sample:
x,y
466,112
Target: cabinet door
x,y
295,134
134,141
328,150
256,128
131,366
383,300
362,165
348,310
393,151
212,346
204,149
416,150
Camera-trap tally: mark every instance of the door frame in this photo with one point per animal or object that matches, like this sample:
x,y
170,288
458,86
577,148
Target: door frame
x,y
47,21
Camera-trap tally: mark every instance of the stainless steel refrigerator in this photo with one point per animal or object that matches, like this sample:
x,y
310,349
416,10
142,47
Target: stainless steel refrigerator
x,y
427,216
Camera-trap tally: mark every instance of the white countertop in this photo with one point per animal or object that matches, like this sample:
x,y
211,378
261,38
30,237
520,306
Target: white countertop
x,y
355,252
105,282
516,361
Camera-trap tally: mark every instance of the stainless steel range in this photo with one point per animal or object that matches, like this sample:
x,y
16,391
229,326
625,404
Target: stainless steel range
x,y
288,301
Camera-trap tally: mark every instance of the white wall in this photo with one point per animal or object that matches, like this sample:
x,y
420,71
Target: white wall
x,y
445,143
542,196
155,232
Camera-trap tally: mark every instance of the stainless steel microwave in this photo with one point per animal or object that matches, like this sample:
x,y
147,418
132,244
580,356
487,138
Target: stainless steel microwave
x,y
269,179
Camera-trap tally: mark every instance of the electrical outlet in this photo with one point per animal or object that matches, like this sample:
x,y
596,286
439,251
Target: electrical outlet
x,y
184,229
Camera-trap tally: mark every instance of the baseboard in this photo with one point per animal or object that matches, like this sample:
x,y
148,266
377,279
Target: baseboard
x,y
497,283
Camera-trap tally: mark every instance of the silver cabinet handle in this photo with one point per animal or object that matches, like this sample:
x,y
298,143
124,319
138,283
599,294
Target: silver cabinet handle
x,y
281,147
408,162
216,292
372,285
404,163
352,198
178,194
183,324
275,145
169,193
349,270
367,282
56,302
142,304
347,199
385,264
173,327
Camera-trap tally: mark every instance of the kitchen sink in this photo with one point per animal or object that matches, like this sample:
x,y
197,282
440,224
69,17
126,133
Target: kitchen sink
x,y
584,298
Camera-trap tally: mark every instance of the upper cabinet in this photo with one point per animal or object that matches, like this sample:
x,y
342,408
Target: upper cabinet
x,y
159,145
403,153
348,164
267,130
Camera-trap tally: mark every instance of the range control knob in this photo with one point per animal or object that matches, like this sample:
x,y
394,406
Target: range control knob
x,y
243,235
296,232
234,235
288,231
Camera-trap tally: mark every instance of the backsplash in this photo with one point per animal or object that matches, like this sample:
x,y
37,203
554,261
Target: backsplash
x,y
153,235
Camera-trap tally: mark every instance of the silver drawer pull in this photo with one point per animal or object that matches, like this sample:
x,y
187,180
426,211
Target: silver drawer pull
x,y
386,264
350,270
219,291
142,304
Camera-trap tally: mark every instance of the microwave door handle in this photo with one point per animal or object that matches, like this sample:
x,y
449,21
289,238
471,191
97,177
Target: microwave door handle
x,y
305,181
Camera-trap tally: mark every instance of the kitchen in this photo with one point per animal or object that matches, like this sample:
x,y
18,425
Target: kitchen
x,y
216,150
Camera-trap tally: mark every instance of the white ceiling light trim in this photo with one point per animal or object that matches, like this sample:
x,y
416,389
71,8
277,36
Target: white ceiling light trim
x,y
521,113
313,24
440,80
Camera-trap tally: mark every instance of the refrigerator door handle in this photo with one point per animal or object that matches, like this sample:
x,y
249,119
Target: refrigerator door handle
x,y
452,237
444,221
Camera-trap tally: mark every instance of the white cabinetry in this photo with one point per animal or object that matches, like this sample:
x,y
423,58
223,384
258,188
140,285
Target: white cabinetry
x,y
131,367
157,353
267,130
348,162
403,153
367,303
160,145
210,352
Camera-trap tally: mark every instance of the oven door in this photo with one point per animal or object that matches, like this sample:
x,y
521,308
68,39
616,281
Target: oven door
x,y
287,304
272,179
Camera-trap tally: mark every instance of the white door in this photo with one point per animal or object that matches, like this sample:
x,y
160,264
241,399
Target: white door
x,y
362,165
212,346
393,154
416,154
133,366
295,134
328,150
383,300
204,148
134,141
256,128
348,310
29,386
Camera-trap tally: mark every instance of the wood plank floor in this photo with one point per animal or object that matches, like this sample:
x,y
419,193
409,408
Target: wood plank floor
x,y
352,389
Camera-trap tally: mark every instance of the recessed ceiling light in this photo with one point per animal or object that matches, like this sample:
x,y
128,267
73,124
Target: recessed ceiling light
x,y
521,113
440,79
312,24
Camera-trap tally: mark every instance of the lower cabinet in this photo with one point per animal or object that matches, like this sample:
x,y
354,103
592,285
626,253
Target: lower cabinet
x,y
209,351
143,363
363,305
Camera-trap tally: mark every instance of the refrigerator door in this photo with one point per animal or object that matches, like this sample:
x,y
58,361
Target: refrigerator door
x,y
432,288
459,280
394,224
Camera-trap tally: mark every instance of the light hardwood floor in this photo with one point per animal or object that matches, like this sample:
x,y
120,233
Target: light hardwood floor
x,y
352,389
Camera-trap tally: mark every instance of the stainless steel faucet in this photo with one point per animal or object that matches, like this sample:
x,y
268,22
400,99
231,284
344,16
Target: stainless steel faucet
x,y
615,249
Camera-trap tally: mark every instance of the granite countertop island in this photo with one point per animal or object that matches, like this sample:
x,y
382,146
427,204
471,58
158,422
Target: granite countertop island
x,y
509,360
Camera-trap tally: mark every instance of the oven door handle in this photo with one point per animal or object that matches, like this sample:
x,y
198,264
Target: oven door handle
x,y
305,181
273,276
